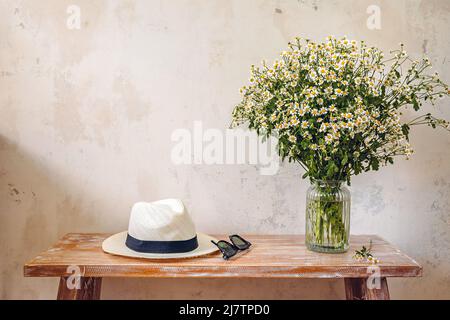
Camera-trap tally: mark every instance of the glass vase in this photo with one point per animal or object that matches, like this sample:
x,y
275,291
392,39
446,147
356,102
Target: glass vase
x,y
327,216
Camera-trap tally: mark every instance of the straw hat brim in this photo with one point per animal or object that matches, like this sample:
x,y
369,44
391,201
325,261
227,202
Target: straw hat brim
x,y
115,244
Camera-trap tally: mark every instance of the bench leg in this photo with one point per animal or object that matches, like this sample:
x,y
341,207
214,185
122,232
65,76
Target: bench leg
x,y
358,289
89,289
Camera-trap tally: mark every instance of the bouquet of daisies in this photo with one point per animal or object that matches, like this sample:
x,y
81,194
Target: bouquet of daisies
x,y
336,105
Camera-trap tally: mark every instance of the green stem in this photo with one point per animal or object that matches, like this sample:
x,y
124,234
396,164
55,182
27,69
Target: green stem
x,y
327,221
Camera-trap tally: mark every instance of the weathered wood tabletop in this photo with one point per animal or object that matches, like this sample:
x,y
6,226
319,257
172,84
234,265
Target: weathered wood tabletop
x,y
270,256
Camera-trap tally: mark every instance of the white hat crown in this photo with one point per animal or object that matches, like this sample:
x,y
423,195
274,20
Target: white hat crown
x,y
163,220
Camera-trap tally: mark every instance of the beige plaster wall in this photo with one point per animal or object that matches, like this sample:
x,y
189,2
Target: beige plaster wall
x,y
86,117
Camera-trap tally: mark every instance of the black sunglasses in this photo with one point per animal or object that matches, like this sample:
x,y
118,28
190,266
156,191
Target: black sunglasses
x,y
230,249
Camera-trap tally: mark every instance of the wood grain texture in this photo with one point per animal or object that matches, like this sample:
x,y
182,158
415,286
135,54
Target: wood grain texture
x,y
89,289
357,289
271,256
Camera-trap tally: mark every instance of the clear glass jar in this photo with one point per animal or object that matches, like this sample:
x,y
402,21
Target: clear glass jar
x,y
327,216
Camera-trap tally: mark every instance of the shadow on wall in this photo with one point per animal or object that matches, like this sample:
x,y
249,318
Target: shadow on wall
x,y
35,210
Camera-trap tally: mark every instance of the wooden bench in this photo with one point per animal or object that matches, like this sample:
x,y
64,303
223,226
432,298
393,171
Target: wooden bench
x,y
273,256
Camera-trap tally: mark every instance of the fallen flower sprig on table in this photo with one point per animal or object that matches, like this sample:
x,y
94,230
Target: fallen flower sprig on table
x,y
366,254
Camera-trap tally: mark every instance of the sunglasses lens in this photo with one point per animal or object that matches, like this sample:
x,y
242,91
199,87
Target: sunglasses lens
x,y
226,248
239,242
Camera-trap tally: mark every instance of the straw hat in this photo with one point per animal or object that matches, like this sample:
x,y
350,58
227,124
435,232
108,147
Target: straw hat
x,y
160,230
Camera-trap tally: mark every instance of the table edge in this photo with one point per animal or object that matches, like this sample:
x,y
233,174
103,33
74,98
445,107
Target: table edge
x,y
142,271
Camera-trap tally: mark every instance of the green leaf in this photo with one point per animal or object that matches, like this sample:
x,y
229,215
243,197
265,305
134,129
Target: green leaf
x,y
375,164
344,160
331,169
405,130
416,105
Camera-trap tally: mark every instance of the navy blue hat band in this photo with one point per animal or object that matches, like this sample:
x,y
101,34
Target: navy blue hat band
x,y
177,246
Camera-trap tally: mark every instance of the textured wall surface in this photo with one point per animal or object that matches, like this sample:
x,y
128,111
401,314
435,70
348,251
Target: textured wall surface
x,y
87,115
